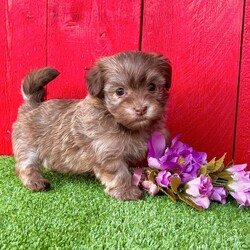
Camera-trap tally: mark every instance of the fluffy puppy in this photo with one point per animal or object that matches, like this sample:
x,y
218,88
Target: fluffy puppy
x,y
103,133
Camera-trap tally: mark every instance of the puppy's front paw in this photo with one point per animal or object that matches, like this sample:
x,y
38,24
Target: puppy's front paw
x,y
39,185
32,179
36,185
130,193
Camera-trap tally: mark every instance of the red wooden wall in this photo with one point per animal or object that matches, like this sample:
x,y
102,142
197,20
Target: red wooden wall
x,y
242,145
207,41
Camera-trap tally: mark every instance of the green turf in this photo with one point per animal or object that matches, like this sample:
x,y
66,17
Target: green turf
x,y
76,214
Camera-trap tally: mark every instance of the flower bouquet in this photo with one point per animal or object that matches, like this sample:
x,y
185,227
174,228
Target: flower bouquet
x,y
182,173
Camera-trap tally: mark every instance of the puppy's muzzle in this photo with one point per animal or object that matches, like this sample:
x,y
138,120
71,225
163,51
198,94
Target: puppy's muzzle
x,y
140,110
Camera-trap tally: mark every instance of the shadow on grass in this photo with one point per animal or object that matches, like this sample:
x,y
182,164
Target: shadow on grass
x,y
60,180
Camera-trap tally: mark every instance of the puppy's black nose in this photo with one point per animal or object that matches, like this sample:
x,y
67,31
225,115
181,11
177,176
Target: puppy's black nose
x,y
141,110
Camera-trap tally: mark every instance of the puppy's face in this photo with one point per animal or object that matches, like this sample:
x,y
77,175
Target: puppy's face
x,y
133,86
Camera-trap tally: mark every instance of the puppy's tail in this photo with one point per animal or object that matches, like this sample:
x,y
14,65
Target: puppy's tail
x,y
33,85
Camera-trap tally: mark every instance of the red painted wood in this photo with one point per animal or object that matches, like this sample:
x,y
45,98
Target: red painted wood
x,y
4,95
79,32
242,147
202,39
22,47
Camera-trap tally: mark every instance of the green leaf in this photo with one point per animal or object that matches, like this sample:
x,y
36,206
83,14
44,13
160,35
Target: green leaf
x,y
169,193
185,198
219,166
175,182
152,174
225,176
175,171
203,170
213,177
215,166
230,164
210,165
220,163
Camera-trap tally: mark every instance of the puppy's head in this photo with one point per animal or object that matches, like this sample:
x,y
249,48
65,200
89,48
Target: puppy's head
x,y
133,86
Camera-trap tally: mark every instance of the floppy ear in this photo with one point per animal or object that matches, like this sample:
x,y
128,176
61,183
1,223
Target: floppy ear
x,y
168,74
94,81
165,68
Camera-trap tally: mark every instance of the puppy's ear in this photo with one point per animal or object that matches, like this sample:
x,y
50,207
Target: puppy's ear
x,y
94,81
168,74
166,69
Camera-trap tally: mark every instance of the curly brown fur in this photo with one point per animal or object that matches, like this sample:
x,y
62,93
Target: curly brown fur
x,y
101,134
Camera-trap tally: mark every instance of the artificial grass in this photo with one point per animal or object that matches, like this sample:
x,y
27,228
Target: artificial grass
x,y
76,214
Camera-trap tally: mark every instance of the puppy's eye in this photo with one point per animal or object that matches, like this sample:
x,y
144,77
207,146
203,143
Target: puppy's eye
x,y
120,91
151,87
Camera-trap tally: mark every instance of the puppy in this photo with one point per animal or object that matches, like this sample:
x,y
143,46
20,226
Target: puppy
x,y
103,133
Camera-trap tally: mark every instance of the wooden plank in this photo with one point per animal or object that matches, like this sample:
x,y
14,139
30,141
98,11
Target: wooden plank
x,y
242,146
79,32
202,39
23,33
4,100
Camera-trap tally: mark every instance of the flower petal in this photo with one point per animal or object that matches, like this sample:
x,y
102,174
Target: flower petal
x,y
237,168
162,178
154,163
193,190
170,166
153,190
186,177
218,194
201,201
150,187
175,139
156,145
137,176
200,186
243,198
240,184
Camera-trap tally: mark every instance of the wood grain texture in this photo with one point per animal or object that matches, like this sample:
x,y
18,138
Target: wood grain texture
x,y
242,146
79,32
202,40
23,33
4,93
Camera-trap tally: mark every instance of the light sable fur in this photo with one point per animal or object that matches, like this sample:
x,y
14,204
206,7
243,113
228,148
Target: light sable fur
x,y
101,134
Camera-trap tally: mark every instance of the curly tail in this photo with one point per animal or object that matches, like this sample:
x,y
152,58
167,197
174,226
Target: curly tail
x,y
33,85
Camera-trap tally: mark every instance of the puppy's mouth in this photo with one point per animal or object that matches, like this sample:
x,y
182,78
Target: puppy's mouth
x,y
140,122
141,119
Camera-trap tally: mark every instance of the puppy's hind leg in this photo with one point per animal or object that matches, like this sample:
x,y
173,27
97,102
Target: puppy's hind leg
x,y
28,170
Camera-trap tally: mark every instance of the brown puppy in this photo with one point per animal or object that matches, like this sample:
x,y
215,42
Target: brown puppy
x,y
101,134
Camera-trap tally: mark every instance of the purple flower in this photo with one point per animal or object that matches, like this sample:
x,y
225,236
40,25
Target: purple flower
x,y
188,172
178,156
199,189
238,170
218,194
239,187
239,184
200,186
156,147
243,198
162,178
201,201
137,176
183,161
150,187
